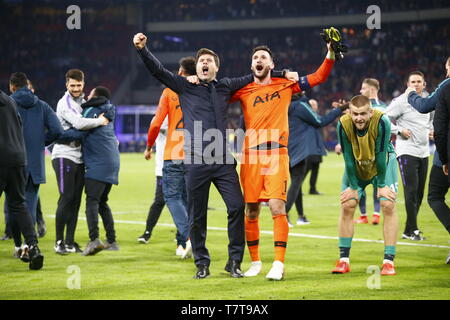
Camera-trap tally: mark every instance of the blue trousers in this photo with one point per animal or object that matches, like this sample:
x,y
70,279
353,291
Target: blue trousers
x,y
174,191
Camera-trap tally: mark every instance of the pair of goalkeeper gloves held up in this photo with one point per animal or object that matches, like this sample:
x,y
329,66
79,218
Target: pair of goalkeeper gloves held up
x,y
333,36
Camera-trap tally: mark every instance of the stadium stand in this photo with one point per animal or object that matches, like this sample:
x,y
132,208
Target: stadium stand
x,y
211,10
103,48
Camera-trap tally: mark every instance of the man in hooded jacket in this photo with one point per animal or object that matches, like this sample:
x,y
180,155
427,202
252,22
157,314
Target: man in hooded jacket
x,y
102,162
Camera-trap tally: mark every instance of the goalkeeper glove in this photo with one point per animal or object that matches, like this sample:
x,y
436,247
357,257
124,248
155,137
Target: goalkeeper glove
x,y
333,36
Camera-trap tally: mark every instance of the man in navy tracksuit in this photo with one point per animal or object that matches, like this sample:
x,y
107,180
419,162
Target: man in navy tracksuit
x,y
102,163
40,127
304,141
204,107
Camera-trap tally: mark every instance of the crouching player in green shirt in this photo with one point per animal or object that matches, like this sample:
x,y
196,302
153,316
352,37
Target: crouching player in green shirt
x,y
364,135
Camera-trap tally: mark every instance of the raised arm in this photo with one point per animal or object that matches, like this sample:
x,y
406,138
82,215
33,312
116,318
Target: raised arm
x,y
427,104
174,82
321,74
236,84
305,112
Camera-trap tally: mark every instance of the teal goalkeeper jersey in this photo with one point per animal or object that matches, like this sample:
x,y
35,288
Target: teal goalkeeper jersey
x,y
383,148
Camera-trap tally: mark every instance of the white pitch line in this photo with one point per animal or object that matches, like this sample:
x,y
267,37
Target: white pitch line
x,y
292,234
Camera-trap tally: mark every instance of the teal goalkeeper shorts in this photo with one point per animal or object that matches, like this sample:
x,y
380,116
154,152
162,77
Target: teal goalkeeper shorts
x,y
391,179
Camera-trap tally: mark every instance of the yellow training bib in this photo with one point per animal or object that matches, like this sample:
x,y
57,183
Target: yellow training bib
x,y
363,147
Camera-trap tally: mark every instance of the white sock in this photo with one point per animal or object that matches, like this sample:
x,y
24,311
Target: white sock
x,y
345,260
388,261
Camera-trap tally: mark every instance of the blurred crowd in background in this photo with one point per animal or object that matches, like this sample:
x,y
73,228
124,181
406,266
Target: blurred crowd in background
x,y
45,49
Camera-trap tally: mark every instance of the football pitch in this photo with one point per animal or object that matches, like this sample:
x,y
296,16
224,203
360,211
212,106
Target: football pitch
x,y
152,271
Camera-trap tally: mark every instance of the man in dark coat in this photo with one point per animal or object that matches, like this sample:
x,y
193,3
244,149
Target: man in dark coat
x,y
305,141
442,138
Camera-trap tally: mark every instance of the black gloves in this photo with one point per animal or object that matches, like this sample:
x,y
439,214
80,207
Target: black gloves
x,y
333,36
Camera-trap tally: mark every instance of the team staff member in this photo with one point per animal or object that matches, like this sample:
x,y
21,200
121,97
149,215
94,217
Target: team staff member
x,y
102,161
265,165
42,229
305,140
40,128
13,175
412,147
438,182
68,164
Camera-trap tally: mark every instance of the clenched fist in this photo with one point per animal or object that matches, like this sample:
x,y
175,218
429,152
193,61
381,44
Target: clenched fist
x,y
139,40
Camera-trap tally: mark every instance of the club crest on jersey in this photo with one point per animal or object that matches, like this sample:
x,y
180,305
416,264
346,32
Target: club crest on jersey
x,y
266,98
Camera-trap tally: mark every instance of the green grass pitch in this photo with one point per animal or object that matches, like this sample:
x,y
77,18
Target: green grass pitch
x,y
153,271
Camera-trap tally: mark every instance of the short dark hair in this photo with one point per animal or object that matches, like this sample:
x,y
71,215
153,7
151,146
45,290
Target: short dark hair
x,y
203,51
102,92
416,73
265,48
18,79
188,65
75,74
372,82
360,101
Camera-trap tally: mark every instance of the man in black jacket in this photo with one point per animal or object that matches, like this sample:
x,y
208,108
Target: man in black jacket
x,y
441,125
13,176
102,161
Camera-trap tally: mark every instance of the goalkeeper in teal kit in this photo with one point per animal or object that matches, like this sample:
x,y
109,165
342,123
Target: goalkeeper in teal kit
x,y
364,135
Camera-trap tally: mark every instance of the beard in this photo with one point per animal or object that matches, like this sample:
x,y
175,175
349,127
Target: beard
x,y
262,75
